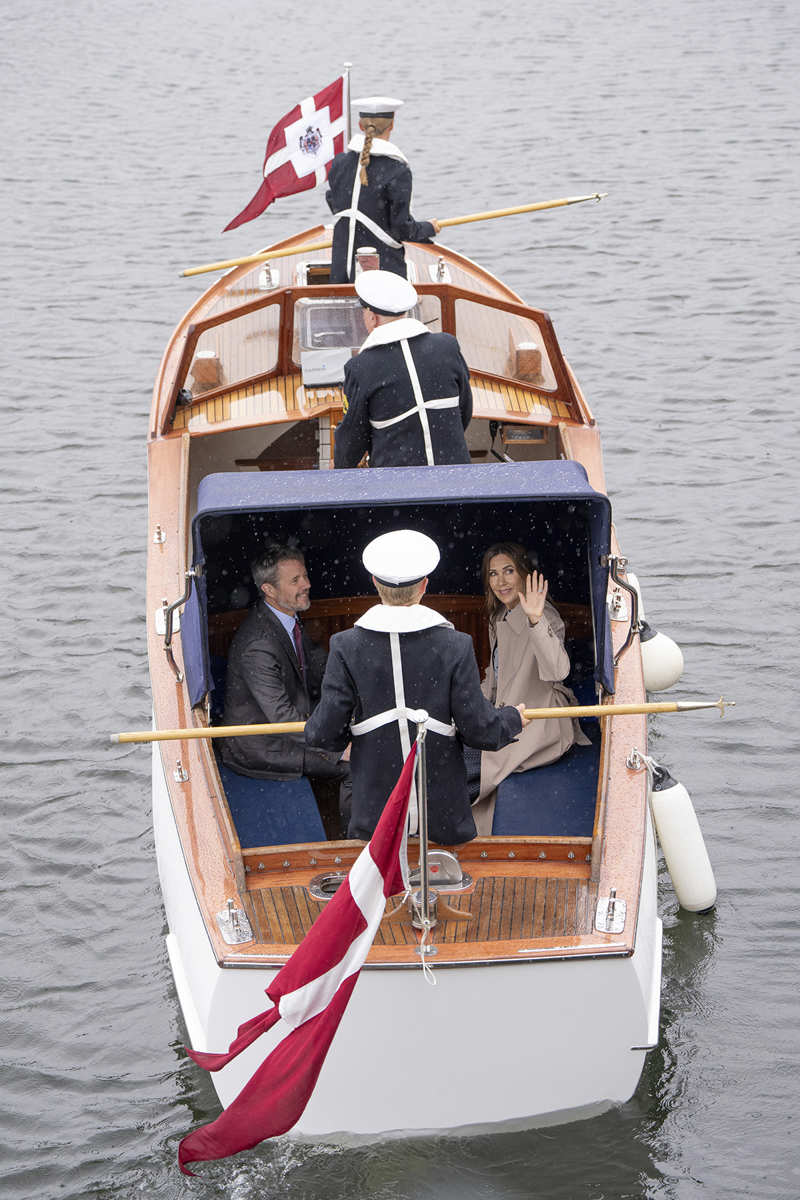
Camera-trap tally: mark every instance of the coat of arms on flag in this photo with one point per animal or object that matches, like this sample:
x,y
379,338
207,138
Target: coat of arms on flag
x,y
300,149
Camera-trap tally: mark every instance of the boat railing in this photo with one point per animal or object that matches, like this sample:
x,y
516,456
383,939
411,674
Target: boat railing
x,y
494,334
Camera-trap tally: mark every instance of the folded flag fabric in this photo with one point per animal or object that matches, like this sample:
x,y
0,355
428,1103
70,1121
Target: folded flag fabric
x,y
310,994
300,149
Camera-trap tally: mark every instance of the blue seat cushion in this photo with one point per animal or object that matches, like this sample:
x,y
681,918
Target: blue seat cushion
x,y
557,800
272,812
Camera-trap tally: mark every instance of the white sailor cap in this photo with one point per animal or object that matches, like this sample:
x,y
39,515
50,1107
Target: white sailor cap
x,y
385,293
401,558
377,106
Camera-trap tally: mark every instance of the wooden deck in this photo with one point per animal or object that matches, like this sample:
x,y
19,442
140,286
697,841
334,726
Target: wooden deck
x,y
284,398
503,908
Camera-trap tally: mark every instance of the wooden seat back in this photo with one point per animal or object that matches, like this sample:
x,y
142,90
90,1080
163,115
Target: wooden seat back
x,y
326,617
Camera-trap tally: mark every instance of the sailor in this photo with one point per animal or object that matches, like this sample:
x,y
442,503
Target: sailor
x,y
407,394
370,194
401,657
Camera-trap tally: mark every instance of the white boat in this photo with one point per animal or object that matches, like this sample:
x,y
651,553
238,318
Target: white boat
x,y
547,997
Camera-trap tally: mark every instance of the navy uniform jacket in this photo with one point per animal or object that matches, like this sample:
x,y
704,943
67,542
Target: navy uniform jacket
x,y
263,684
386,200
439,674
384,416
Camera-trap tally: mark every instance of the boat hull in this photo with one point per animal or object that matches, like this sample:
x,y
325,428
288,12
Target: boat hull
x,y
490,1046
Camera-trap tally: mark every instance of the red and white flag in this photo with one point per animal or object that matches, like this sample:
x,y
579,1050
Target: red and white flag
x,y
300,149
310,993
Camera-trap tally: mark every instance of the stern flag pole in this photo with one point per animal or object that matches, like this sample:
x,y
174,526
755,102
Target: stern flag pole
x,y
423,901
348,126
266,255
532,714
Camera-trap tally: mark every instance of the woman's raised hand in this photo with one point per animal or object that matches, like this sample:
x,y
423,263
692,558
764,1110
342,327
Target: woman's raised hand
x,y
533,597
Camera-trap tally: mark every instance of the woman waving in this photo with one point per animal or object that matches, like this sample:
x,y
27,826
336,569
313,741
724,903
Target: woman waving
x,y
527,665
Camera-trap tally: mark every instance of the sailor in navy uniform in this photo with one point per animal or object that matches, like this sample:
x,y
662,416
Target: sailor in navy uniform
x,y
407,394
401,657
370,195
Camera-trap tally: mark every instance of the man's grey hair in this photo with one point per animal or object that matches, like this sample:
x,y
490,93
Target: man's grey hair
x,y
265,567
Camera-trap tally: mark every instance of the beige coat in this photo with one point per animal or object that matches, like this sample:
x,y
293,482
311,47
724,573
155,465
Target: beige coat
x,y
531,663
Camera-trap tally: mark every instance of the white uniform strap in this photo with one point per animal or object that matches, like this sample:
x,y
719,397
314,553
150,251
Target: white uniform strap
x,y
352,213
369,724
402,724
402,715
445,402
419,400
374,228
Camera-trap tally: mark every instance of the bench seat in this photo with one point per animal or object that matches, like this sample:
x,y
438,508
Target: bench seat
x,y
556,801
271,812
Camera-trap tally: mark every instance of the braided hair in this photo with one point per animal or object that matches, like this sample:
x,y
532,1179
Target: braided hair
x,y
373,127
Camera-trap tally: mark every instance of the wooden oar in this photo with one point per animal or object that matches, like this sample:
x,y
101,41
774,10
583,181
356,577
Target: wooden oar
x,y
626,710
312,246
520,208
533,714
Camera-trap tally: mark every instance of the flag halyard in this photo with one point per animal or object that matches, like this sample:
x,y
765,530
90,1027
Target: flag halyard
x,y
310,993
300,149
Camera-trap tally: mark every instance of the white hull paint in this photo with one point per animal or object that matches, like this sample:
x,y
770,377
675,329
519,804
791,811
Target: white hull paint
x,y
493,1046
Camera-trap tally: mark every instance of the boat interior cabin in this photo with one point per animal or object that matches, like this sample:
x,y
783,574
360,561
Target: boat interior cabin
x,y
548,507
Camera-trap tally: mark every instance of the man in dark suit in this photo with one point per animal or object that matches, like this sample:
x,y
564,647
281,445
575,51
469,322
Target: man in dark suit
x,y
274,675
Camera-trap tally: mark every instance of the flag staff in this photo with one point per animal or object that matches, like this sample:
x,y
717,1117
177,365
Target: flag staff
x,y
266,255
423,903
348,131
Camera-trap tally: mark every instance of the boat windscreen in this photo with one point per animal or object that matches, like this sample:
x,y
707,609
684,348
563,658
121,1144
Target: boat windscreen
x,y
548,507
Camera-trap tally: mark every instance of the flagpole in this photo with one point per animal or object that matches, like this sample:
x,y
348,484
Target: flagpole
x,y
422,901
346,101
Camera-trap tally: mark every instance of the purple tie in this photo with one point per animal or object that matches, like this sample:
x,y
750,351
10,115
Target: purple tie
x,y
297,634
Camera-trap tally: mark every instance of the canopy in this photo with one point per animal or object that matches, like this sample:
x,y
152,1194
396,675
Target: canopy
x,y
547,506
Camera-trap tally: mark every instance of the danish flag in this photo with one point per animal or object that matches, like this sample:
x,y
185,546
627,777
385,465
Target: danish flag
x,y
310,994
300,149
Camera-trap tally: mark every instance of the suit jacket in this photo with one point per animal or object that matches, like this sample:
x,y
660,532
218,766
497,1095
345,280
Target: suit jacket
x,y
440,674
264,683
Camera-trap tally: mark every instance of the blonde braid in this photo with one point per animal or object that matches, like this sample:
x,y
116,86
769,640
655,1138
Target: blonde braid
x,y
372,127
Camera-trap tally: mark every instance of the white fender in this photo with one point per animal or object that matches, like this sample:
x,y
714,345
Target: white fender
x,y
682,842
662,658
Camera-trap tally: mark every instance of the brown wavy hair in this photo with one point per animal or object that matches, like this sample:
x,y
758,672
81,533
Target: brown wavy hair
x,y
521,560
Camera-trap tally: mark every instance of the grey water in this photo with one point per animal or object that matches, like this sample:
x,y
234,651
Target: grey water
x,y
132,133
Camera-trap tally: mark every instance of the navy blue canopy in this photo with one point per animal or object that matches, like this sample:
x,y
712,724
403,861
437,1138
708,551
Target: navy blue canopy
x,y
549,507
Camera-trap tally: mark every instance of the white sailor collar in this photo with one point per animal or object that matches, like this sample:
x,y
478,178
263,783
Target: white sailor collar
x,y
401,618
394,331
380,148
